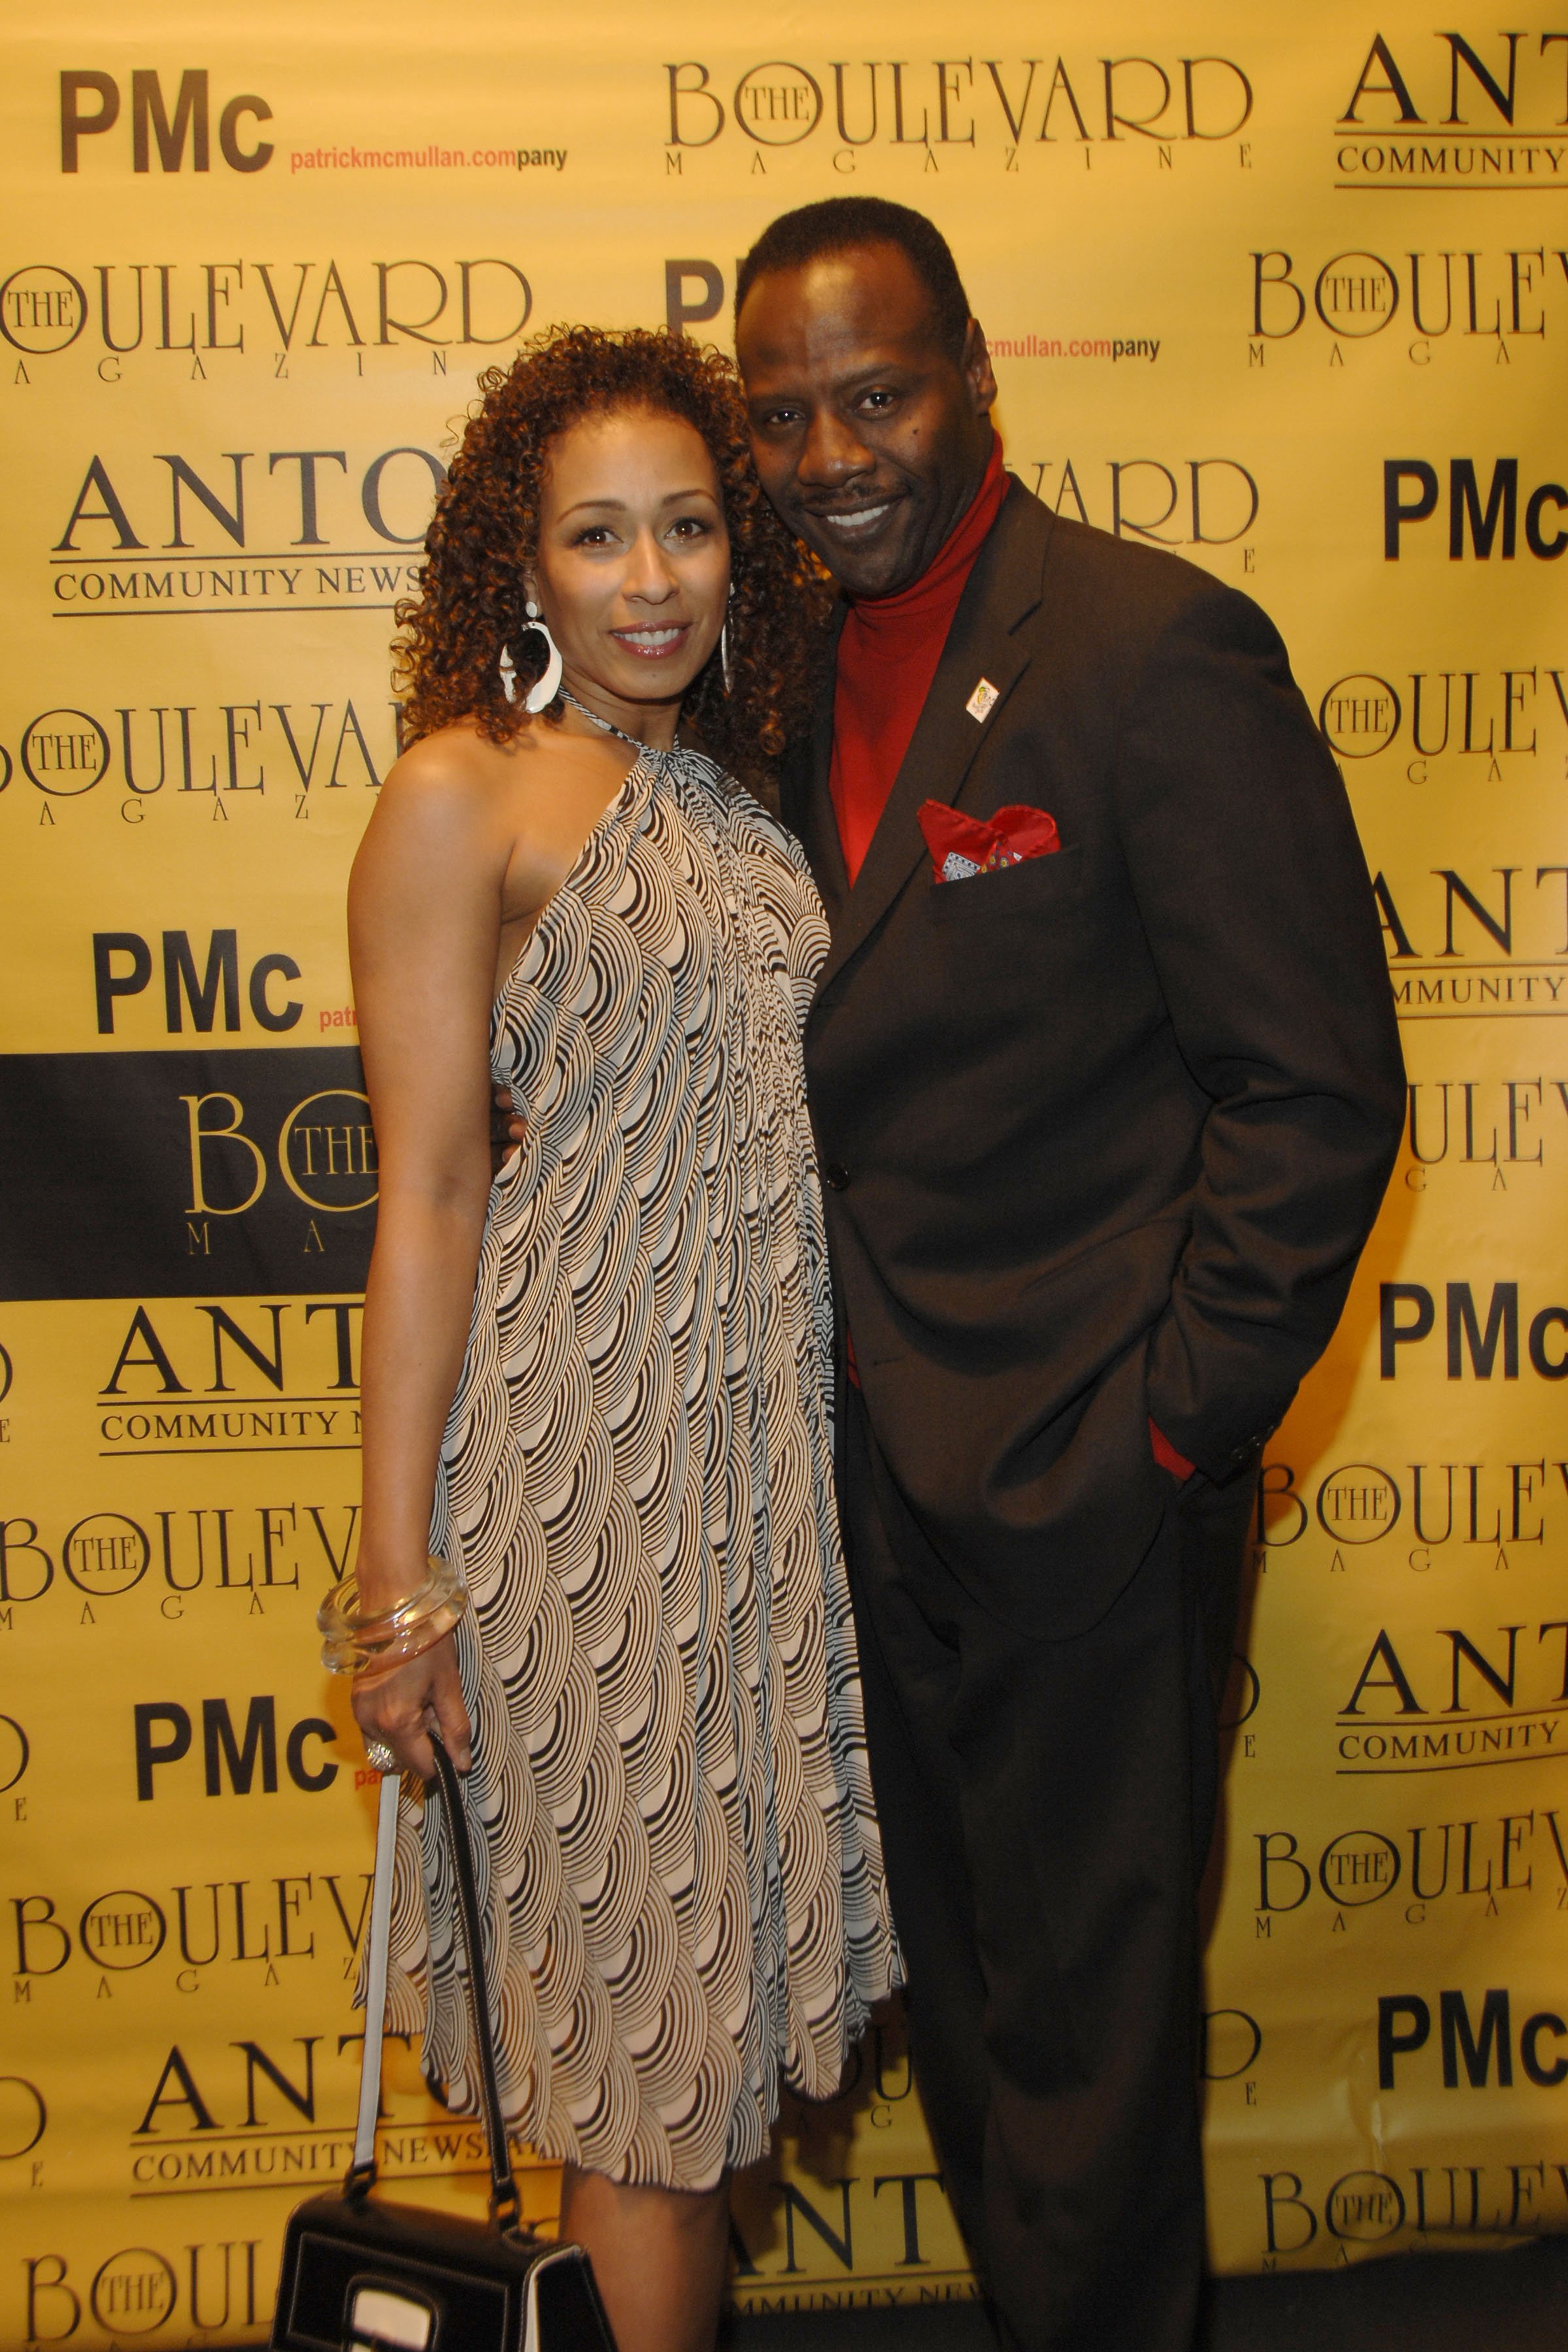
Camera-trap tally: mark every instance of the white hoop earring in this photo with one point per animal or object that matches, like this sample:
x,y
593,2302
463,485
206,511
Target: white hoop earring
x,y
724,650
543,693
548,685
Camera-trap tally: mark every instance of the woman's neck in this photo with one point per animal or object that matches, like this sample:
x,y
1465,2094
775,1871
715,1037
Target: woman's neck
x,y
653,723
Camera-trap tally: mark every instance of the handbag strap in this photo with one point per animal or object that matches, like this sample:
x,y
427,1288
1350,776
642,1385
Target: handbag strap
x,y
505,2207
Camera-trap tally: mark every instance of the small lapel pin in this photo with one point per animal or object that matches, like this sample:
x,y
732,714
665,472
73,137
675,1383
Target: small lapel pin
x,y
983,701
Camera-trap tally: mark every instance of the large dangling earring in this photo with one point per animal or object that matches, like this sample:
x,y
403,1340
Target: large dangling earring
x,y
548,685
724,649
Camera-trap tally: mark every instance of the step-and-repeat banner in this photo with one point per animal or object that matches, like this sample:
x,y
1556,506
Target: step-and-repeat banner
x,y
1288,300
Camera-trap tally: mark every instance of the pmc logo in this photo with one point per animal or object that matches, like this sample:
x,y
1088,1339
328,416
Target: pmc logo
x,y
91,105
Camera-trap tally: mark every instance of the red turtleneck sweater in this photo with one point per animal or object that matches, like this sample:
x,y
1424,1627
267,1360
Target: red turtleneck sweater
x,y
888,655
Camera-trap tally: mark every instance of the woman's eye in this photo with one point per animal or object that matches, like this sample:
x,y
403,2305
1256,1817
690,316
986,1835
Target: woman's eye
x,y
597,534
690,527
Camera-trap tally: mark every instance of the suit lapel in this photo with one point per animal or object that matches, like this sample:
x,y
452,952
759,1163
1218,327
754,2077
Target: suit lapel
x,y
1003,586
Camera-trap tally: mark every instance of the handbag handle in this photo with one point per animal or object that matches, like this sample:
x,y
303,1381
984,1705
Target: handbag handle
x,y
505,2207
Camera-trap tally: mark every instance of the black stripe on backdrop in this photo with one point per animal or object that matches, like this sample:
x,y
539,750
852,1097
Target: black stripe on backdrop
x,y
164,1175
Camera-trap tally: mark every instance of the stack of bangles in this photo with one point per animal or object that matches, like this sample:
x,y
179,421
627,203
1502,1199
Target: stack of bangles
x,y
368,1646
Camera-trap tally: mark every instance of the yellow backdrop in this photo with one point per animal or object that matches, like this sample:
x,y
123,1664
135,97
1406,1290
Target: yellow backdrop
x,y
1286,300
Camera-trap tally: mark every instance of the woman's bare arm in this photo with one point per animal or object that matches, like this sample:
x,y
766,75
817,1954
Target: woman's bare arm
x,y
425,914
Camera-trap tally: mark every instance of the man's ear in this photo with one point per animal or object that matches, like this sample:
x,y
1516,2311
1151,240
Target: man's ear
x,y
975,363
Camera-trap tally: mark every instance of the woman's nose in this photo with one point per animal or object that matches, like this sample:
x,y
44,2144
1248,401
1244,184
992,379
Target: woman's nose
x,y
650,574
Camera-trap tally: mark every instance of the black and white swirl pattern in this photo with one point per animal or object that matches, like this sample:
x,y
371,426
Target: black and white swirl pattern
x,y
681,1875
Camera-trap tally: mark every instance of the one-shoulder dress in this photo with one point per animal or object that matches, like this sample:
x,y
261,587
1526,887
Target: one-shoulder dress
x,y
682,1877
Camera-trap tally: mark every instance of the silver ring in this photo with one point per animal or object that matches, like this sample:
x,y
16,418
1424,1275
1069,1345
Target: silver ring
x,y
379,1756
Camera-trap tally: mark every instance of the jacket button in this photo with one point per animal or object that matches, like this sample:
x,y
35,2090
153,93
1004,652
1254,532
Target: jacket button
x,y
834,1175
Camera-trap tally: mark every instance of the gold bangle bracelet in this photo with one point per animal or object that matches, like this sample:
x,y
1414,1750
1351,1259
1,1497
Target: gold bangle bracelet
x,y
356,1643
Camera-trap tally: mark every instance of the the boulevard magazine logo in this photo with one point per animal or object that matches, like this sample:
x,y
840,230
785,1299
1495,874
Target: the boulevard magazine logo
x,y
939,104
172,1552
269,309
1451,2197
1485,1504
245,1169
1489,714
1500,1124
1412,1864
1457,109
211,756
1514,294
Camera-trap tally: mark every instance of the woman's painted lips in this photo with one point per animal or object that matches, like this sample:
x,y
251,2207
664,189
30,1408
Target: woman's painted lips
x,y
653,645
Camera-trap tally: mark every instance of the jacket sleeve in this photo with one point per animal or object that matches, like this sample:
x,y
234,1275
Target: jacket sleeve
x,y
1255,899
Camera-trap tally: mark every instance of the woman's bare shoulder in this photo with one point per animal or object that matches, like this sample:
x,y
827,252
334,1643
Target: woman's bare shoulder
x,y
455,763
452,790
461,770
440,816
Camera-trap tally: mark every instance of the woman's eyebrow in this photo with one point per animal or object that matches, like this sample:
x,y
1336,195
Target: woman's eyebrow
x,y
620,506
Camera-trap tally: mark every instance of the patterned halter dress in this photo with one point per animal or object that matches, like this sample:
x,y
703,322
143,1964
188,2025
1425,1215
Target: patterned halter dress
x,y
681,1876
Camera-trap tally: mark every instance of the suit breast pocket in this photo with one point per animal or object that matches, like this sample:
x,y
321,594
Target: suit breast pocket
x,y
1031,891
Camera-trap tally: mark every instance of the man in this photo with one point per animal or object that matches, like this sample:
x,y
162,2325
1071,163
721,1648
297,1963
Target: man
x,y
1104,1116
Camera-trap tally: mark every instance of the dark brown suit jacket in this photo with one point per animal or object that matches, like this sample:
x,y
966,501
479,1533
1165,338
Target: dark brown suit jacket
x,y
1102,1134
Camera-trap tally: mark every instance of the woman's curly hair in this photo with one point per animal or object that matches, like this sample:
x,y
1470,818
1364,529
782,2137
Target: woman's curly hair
x,y
486,528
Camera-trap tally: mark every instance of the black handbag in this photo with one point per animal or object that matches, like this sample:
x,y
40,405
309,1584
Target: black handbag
x,y
359,2276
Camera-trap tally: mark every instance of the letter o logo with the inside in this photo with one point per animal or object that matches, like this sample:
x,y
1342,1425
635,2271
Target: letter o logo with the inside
x,y
1365,2205
1356,294
1358,1504
65,752
42,309
1359,1866
124,1929
778,104
327,1151
1360,714
133,2292
105,1554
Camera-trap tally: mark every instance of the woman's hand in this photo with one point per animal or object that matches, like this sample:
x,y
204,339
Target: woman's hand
x,y
401,1708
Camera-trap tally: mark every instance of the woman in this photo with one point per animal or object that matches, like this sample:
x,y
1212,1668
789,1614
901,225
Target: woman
x,y
598,1387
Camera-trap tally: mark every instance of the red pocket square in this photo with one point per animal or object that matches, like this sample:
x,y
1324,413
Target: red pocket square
x,y
962,845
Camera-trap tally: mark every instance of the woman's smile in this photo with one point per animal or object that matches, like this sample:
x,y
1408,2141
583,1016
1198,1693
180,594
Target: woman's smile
x,y
654,643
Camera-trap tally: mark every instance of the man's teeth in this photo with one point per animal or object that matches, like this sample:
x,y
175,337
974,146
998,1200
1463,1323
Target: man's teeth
x,y
858,520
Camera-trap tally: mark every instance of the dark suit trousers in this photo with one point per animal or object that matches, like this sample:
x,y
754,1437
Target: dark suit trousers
x,y
1046,1810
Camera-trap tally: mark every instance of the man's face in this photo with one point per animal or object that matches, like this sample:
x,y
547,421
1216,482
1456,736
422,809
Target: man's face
x,y
870,439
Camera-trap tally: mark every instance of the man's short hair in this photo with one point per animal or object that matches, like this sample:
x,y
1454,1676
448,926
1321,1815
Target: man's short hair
x,y
839,224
